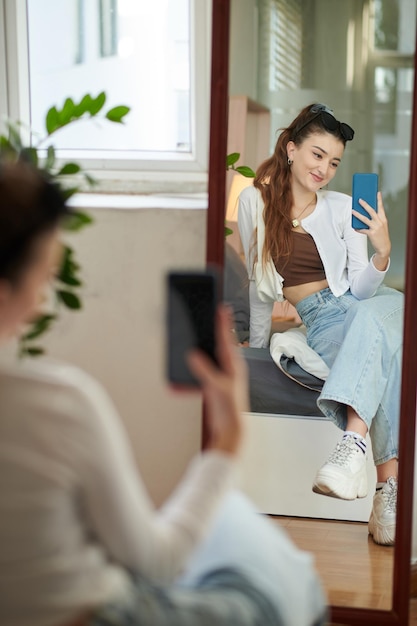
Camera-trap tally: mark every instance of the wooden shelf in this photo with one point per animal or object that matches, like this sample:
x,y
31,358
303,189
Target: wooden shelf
x,y
249,130
249,134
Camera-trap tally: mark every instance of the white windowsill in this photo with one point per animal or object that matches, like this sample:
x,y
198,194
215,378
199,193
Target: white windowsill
x,y
88,201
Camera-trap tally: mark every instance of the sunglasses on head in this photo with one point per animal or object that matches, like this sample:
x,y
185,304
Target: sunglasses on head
x,y
329,122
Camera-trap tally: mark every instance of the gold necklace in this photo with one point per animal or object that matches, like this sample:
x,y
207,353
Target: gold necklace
x,y
295,222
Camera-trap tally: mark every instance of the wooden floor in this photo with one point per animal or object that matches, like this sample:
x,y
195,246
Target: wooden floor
x,y
354,570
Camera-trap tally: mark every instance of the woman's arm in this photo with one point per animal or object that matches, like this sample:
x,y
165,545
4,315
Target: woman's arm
x,y
365,276
116,507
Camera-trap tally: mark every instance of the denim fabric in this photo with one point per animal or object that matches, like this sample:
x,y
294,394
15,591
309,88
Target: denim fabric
x,y
261,551
224,598
361,342
246,572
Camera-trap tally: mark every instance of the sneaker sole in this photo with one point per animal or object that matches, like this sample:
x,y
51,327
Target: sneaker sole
x,y
382,535
352,493
323,491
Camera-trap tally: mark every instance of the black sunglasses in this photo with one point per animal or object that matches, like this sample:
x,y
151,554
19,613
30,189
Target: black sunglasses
x,y
329,122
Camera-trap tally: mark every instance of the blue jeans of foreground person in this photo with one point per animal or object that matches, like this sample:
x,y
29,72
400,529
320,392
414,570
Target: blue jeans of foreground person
x,y
247,573
361,342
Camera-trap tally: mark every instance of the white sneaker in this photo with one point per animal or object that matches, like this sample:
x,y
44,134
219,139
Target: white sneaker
x,y
384,510
344,474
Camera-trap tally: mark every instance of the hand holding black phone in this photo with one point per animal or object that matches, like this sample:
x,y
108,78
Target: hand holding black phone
x,y
364,186
193,298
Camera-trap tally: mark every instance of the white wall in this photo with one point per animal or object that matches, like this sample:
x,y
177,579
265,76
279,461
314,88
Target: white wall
x,y
243,54
119,336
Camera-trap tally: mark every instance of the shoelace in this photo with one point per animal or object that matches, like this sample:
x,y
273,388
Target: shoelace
x,y
390,495
343,451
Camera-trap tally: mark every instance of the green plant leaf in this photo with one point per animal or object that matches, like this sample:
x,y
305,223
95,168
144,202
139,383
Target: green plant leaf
x,y
39,326
67,275
227,231
50,158
69,168
66,114
232,158
97,103
29,155
5,145
52,120
90,179
245,171
117,113
83,106
14,137
69,280
70,299
68,269
32,351
77,220
67,192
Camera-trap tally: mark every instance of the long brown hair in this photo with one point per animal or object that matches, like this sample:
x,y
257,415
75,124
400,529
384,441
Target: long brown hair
x,y
273,179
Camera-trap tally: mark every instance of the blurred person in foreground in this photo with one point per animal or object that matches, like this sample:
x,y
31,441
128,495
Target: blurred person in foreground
x,y
80,542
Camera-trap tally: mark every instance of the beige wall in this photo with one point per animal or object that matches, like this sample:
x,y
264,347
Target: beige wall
x,y
119,336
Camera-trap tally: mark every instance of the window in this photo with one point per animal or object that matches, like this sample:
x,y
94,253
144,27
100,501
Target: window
x,y
151,56
358,58
282,21
392,60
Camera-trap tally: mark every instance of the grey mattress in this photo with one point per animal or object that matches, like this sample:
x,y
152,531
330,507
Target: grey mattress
x,y
273,391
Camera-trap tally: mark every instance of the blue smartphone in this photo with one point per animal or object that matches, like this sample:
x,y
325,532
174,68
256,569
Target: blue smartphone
x,y
364,186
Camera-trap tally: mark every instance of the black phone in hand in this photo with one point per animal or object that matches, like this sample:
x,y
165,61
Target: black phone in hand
x,y
192,301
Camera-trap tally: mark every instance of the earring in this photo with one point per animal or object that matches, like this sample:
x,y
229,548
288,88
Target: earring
x,y
289,161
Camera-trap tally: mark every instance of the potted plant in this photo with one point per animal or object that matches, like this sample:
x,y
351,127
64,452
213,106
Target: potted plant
x,y
243,170
69,176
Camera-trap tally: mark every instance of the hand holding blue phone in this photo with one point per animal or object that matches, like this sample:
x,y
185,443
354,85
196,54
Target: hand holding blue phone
x,y
365,187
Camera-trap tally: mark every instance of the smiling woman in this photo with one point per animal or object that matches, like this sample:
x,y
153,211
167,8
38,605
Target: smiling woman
x,y
353,323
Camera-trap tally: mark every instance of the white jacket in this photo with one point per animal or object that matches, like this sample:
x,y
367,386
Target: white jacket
x,y
343,251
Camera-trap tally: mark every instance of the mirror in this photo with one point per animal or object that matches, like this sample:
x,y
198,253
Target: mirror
x,y
397,612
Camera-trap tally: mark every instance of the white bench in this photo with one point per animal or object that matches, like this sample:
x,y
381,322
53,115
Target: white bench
x,y
280,460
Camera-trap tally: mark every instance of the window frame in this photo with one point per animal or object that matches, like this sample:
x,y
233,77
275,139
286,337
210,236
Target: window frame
x,y
177,171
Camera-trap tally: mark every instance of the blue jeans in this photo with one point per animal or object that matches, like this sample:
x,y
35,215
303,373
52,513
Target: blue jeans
x,y
247,572
361,342
224,597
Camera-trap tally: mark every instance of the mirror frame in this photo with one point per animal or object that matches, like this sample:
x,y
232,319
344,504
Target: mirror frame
x,y
215,255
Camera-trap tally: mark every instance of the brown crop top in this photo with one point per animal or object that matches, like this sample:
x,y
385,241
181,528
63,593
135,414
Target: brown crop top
x,y
304,264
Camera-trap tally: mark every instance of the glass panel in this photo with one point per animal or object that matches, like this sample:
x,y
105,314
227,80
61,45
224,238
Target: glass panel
x,y
137,51
386,24
385,99
391,153
373,97
108,28
394,25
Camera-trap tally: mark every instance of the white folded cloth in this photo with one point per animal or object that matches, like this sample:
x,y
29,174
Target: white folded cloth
x,y
293,344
